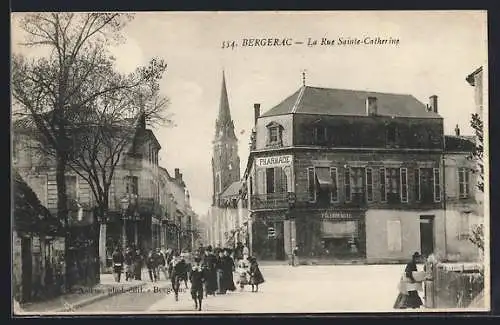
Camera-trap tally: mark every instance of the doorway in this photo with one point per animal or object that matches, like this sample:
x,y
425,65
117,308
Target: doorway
x,y
426,235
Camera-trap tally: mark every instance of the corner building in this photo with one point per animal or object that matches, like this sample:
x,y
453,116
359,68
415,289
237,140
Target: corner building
x,y
347,176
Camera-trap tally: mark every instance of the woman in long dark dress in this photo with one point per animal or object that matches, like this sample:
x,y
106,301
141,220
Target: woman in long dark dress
x,y
228,268
209,264
409,298
256,277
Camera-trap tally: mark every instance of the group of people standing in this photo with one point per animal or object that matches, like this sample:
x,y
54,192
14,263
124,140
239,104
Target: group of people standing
x,y
213,269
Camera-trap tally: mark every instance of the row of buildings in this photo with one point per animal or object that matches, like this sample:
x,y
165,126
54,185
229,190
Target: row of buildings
x,y
347,175
147,208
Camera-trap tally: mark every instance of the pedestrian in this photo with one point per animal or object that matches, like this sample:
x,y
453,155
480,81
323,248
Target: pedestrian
x,y
219,267
408,286
117,259
178,271
187,269
128,261
161,262
138,265
256,277
209,264
228,268
245,250
151,265
242,270
197,278
295,256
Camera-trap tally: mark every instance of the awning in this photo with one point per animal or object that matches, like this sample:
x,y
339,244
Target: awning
x,y
324,179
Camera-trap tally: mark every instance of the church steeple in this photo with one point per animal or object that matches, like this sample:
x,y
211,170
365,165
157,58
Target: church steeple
x,y
225,159
224,124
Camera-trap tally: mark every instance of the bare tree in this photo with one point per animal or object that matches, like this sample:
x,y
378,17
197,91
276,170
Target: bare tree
x,y
53,92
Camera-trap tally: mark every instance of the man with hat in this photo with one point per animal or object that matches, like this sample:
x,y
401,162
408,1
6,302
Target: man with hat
x,y
197,278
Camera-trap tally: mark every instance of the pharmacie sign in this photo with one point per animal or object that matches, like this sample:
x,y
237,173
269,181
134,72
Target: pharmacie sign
x,y
274,161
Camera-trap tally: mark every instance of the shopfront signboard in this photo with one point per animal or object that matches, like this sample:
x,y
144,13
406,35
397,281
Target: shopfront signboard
x,y
274,161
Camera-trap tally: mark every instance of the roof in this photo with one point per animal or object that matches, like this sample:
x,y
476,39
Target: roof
x,y
327,101
455,143
470,78
232,190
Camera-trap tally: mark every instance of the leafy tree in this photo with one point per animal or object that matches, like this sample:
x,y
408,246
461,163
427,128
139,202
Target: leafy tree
x,y
74,83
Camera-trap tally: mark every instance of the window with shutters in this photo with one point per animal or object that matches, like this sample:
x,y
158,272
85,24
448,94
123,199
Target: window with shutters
x,y
426,185
383,191
357,184
404,184
463,182
334,194
274,134
369,185
417,185
347,185
132,185
437,185
270,177
392,184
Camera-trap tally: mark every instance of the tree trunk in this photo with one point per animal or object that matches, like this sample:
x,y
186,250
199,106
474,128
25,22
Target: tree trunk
x,y
103,209
62,212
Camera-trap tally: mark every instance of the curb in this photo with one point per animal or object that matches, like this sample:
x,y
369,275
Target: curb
x,y
85,302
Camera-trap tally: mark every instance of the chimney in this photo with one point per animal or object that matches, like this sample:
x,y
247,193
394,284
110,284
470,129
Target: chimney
x,y
371,106
457,131
256,112
433,103
177,174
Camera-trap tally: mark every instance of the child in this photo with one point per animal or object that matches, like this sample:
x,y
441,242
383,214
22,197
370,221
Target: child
x,y
256,277
243,269
197,278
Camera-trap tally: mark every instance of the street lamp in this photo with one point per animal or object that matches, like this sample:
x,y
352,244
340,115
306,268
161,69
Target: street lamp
x,y
124,203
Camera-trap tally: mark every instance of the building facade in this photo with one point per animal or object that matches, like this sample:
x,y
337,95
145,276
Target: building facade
x,y
462,211
133,205
346,175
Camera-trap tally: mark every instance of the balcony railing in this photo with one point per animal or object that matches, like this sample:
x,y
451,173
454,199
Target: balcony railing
x,y
269,201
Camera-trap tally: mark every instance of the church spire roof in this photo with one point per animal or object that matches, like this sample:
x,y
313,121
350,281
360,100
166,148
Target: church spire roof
x,y
224,113
224,119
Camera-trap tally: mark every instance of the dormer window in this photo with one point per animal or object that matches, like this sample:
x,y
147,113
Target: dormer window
x,y
275,133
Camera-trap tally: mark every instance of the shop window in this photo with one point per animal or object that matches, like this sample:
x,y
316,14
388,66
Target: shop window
x,y
437,185
369,184
463,182
394,238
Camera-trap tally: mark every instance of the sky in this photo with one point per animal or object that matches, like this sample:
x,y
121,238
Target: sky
x,y
436,51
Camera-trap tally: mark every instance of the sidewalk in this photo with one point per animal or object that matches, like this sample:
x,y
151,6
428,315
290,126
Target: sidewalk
x,y
83,296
